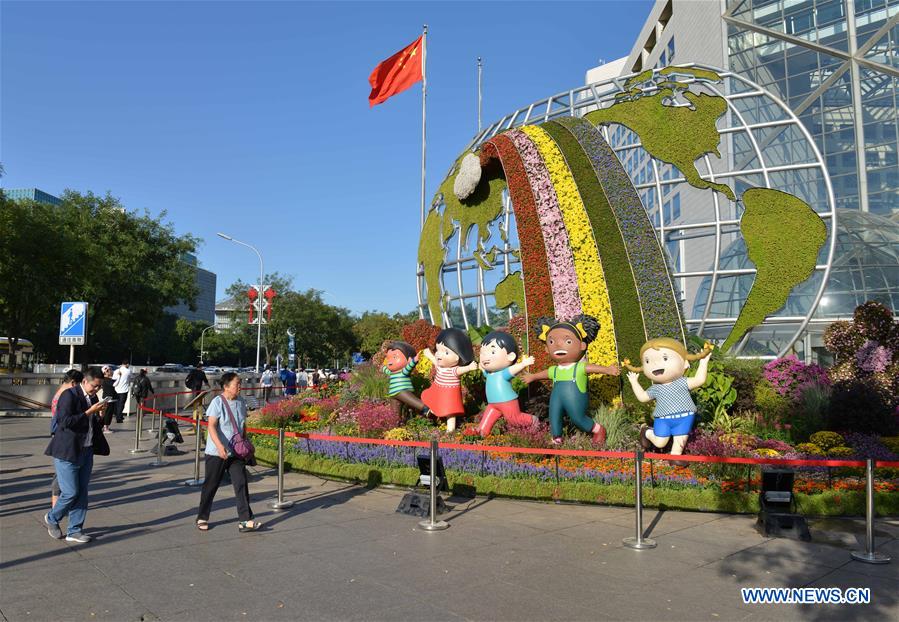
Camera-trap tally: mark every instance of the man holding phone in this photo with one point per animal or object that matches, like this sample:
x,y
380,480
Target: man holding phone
x,y
78,437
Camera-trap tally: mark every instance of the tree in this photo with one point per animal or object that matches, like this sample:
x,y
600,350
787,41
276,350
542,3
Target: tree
x,y
323,332
128,267
376,327
40,258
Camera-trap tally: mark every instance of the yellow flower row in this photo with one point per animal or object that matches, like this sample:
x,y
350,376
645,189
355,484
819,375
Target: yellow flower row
x,y
591,280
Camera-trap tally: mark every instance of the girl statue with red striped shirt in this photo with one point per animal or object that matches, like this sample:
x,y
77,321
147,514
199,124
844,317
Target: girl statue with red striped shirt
x,y
454,356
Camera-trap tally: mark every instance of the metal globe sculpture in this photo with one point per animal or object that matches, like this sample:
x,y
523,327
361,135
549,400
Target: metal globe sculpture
x,y
622,199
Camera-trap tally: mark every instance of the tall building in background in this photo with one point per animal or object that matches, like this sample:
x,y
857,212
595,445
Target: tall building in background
x,y
835,64
205,301
32,194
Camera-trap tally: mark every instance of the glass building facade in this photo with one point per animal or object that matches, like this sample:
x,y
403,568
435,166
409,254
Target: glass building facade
x,y
836,65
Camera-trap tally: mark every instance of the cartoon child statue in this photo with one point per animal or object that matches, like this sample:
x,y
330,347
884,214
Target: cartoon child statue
x,y
664,362
499,363
398,364
566,343
454,357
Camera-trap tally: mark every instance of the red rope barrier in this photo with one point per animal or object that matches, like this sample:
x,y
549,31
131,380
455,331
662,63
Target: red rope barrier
x,y
548,451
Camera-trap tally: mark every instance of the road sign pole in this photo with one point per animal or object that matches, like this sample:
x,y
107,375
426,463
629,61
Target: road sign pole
x,y
71,357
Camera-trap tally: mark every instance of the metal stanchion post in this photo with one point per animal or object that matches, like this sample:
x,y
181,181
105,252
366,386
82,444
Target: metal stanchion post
x,y
432,524
176,403
868,555
280,503
159,449
197,480
639,542
137,431
152,429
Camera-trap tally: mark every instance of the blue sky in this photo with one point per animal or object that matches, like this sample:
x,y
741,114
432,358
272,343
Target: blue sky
x,y
253,118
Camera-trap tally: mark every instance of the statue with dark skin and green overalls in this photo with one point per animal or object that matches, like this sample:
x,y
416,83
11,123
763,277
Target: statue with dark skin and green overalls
x,y
566,343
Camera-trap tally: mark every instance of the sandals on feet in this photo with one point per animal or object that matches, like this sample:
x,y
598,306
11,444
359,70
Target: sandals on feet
x,y
203,525
249,525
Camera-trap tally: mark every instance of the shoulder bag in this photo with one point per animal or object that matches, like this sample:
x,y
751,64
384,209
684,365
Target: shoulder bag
x,y
241,446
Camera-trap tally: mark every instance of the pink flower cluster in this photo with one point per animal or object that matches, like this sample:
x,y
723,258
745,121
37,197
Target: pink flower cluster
x,y
566,298
790,377
873,357
375,418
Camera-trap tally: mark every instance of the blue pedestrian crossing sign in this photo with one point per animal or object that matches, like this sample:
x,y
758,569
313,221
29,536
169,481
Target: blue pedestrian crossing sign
x,y
73,323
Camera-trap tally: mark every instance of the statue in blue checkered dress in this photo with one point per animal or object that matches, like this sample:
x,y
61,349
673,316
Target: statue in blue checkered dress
x,y
665,361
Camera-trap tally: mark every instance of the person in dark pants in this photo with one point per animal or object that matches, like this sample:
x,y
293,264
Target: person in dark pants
x,y
122,379
142,387
227,415
108,389
196,378
78,436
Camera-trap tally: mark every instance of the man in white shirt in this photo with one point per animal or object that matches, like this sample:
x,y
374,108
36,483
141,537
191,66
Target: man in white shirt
x,y
266,381
122,382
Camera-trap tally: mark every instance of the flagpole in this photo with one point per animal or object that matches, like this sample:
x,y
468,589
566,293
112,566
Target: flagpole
x,y
479,94
424,97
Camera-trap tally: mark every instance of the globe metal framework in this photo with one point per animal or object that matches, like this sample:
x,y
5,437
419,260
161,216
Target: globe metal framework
x,y
763,144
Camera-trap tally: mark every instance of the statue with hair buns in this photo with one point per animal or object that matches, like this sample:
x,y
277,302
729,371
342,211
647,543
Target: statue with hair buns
x,y
665,361
566,343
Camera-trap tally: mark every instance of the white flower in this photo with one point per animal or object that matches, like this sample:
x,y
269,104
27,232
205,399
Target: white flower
x,y
468,177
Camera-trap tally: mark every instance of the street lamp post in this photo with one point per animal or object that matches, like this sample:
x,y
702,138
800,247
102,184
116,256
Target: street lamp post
x,y
259,297
203,334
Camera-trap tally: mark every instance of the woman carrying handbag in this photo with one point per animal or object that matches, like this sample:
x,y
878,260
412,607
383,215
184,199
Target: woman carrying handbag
x,y
227,450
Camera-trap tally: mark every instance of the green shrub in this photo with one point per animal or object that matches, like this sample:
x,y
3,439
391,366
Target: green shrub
x,y
747,374
827,440
860,407
372,383
810,448
620,431
840,452
810,414
775,407
716,396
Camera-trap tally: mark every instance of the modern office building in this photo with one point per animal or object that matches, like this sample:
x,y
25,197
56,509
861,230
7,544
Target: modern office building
x,y
224,312
835,65
205,301
32,194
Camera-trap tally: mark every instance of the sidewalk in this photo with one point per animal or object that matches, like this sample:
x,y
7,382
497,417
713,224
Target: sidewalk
x,y
342,553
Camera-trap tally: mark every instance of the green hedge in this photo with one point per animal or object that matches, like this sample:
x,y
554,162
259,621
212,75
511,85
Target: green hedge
x,y
830,503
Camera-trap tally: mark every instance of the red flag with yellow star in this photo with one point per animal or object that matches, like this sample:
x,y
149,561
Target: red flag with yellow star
x,y
396,74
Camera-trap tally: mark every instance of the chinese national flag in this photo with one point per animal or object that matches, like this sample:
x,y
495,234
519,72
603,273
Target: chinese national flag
x,y
396,74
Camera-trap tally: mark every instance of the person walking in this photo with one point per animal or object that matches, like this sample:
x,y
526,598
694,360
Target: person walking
x,y
196,378
122,379
302,380
227,416
267,380
107,389
71,378
78,437
142,387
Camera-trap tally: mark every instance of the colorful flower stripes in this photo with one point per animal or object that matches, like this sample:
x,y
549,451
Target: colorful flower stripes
x,y
590,278
566,298
658,300
625,304
536,276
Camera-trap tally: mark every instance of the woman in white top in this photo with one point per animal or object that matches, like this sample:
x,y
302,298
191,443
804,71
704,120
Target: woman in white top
x,y
227,415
